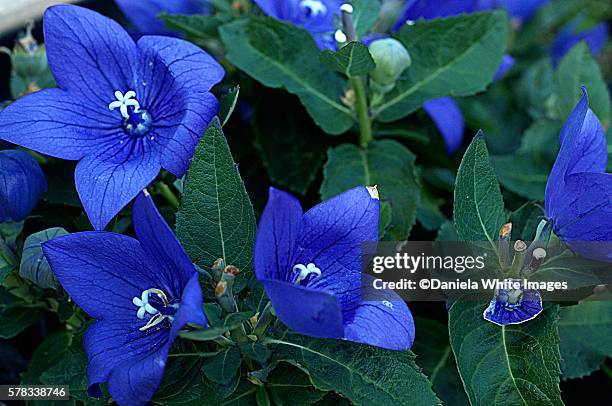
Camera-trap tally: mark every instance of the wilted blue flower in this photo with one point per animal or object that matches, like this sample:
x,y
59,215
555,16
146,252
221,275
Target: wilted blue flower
x,y
123,109
143,13
316,16
513,306
595,37
141,293
579,191
310,266
22,184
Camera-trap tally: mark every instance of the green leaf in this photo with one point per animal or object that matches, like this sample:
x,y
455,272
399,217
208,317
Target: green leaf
x,y
525,221
506,365
365,14
224,366
577,271
196,27
230,322
387,164
243,396
216,217
479,206
435,355
48,354
585,331
281,55
289,386
455,56
5,270
429,214
353,59
364,374
385,219
256,351
228,104
34,265
578,68
16,319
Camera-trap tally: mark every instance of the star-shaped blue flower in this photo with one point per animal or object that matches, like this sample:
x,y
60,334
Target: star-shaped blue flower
x,y
143,14
141,293
316,16
579,191
310,266
22,184
124,110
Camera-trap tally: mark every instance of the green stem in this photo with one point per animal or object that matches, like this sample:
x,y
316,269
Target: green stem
x,y
363,114
168,194
265,319
193,354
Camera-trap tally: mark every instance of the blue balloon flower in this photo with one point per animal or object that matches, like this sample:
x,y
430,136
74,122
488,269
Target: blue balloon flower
x,y
310,266
22,184
141,293
579,191
316,16
143,14
513,306
123,109
596,38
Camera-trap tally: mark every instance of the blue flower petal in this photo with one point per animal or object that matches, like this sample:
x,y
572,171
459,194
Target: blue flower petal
x,y
89,54
160,244
415,9
143,13
308,311
22,184
449,119
384,320
595,37
108,181
507,64
522,9
102,272
277,235
117,343
332,236
190,310
58,123
503,313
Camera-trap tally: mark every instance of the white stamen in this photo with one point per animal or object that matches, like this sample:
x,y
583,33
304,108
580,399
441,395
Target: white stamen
x,y
340,37
305,271
316,7
123,101
347,8
410,22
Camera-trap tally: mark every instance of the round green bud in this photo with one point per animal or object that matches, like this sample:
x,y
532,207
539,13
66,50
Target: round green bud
x,y
391,60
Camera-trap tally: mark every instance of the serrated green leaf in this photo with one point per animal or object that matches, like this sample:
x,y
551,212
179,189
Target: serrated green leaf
x,y
282,55
455,56
365,14
387,164
216,218
506,365
435,355
353,59
14,320
347,368
578,68
224,366
288,386
256,351
585,331
34,265
479,206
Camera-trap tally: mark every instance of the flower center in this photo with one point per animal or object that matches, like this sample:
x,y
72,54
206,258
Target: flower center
x,y
313,8
511,299
157,305
137,122
304,273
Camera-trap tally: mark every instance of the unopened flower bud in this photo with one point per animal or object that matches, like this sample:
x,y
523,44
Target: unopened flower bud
x,y
220,289
231,269
391,58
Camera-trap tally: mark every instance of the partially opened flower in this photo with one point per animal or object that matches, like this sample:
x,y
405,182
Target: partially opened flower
x,y
123,109
316,16
141,293
579,191
513,305
596,38
22,184
310,266
144,14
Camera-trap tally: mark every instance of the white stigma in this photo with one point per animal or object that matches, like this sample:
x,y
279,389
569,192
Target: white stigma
x,y
316,7
305,271
340,37
145,307
123,101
